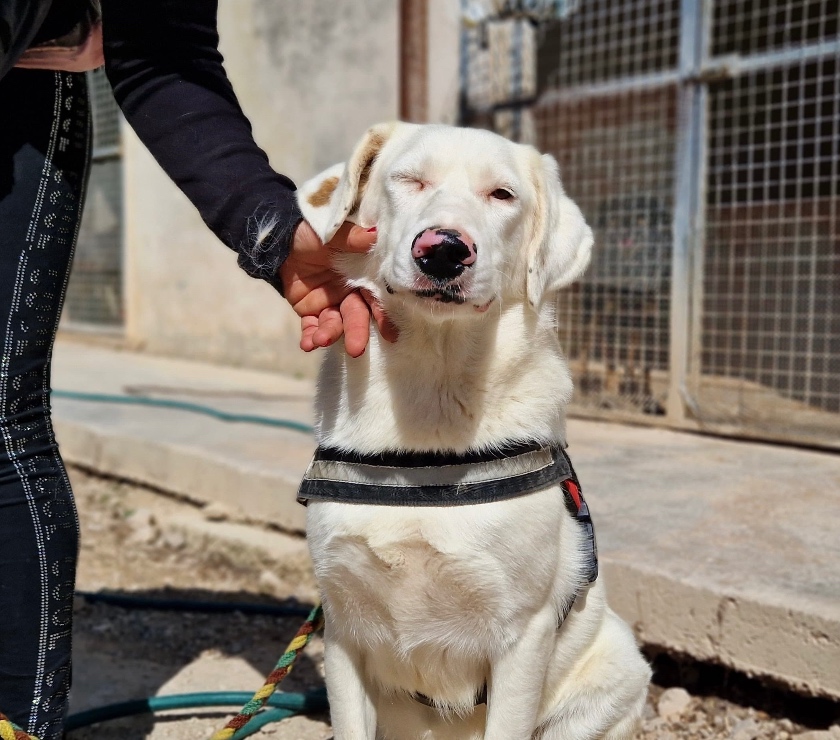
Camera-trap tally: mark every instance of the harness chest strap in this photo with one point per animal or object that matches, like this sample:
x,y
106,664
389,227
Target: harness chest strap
x,y
444,479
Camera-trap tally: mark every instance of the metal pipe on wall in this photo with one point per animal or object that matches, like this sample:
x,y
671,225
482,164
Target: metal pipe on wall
x,y
414,60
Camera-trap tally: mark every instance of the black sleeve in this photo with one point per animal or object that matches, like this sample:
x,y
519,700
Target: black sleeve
x,y
19,24
162,59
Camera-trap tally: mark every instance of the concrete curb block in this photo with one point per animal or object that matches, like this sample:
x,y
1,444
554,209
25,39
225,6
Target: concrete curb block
x,y
186,472
800,649
244,546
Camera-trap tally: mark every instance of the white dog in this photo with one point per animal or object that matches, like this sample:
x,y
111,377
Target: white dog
x,y
451,547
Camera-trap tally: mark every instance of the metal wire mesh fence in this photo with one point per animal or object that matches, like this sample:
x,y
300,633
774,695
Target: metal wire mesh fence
x,y
618,166
771,276
94,293
701,139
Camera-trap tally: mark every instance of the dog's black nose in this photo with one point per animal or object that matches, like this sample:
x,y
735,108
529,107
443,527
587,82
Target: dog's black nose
x,y
443,254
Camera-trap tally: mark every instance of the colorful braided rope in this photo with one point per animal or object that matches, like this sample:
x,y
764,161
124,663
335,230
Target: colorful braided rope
x,y
10,731
313,623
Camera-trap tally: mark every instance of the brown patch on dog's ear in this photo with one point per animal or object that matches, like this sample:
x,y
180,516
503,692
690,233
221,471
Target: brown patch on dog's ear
x,y
328,204
324,192
372,147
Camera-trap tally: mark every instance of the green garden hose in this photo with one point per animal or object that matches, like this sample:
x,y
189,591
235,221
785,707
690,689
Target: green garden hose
x,y
196,408
282,706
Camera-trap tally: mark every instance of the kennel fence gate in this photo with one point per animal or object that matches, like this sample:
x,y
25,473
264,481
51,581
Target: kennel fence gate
x,y
701,138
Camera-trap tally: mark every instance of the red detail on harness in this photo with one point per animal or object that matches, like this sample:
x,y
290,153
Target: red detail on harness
x,y
574,492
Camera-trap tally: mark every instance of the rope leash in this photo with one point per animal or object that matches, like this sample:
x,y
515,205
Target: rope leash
x,y
284,666
10,731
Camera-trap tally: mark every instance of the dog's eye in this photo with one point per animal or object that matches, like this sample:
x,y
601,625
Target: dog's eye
x,y
501,194
410,179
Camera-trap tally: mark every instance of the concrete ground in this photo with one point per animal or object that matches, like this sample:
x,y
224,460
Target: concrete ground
x,y
726,551
136,542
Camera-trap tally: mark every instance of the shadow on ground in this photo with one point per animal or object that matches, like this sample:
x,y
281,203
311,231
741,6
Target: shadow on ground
x,y
122,654
712,680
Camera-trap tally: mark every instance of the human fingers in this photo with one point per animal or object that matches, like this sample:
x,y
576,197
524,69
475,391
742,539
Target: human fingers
x,y
387,329
317,299
349,238
308,327
359,239
330,327
298,286
355,316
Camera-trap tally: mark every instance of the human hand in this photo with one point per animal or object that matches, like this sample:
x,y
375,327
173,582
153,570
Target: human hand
x,y
320,296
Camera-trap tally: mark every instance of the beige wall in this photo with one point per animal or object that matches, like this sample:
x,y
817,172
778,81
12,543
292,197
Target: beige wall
x,y
444,54
311,77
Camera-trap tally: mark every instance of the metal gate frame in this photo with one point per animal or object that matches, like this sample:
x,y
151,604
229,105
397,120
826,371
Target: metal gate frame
x,y
697,69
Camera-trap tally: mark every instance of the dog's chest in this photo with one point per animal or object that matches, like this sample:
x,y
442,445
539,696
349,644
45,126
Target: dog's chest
x,y
435,591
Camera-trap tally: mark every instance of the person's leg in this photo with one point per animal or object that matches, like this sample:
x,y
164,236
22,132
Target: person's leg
x,y
44,154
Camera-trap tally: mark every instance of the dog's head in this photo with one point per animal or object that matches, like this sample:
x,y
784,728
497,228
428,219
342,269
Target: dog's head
x,y
463,217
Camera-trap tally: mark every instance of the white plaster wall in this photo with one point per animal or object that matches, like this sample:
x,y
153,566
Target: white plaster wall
x,y
311,77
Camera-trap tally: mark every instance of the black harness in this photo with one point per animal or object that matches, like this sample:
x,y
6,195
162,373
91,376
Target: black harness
x,y
444,479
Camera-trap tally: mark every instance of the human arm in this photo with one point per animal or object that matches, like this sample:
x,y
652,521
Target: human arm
x,y
163,62
164,65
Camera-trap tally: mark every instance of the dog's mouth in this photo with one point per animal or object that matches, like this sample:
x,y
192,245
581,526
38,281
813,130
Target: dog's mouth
x,y
445,294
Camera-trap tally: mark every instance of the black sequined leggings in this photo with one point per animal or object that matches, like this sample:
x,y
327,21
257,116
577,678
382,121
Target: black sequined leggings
x,y
44,154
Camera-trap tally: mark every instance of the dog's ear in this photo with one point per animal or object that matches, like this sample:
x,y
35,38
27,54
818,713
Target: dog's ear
x,y
561,245
333,197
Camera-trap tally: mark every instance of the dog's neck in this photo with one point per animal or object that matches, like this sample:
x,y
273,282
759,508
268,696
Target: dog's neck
x,y
454,385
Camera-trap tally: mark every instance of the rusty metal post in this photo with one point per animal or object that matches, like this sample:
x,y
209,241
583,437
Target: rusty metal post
x,y
414,60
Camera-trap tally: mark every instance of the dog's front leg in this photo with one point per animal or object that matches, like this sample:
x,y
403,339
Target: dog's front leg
x,y
516,681
351,708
